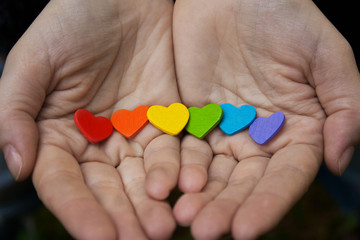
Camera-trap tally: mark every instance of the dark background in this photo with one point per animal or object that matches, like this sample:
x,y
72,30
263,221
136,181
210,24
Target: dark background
x,y
330,209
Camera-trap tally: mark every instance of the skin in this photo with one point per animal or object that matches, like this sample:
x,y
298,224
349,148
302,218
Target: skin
x,y
102,56
278,56
107,55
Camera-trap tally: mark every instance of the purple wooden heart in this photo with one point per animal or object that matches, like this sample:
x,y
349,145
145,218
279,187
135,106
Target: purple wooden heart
x,y
264,129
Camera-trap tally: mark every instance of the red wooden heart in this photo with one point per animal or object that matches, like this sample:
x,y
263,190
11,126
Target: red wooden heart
x,y
129,123
94,129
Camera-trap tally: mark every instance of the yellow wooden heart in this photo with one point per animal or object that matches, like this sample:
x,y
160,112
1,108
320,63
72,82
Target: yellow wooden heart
x,y
170,120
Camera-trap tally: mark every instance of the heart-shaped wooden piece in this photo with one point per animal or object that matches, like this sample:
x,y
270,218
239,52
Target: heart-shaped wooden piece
x,y
264,129
129,123
203,120
170,120
236,119
94,129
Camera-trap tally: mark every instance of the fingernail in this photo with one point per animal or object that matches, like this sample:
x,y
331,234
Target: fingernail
x,y
345,159
13,160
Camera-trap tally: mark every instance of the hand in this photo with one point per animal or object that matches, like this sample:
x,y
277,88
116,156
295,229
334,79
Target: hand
x,y
102,56
276,56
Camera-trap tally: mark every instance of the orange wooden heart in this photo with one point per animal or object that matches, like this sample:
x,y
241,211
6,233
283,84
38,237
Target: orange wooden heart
x,y
129,123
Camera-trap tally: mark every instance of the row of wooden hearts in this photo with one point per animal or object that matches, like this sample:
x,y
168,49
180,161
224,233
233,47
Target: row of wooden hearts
x,y
173,119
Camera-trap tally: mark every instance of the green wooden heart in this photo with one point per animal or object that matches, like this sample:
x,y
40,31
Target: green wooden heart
x,y
203,120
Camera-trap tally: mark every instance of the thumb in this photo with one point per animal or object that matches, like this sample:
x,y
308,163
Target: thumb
x,y
341,133
337,82
22,93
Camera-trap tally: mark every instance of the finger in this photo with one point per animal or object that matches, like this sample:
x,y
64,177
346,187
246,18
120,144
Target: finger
x,y
286,178
155,216
22,92
189,205
58,180
196,156
215,219
105,183
341,135
337,83
162,164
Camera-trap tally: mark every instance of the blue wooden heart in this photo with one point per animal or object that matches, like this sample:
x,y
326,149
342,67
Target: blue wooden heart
x,y
263,129
236,119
